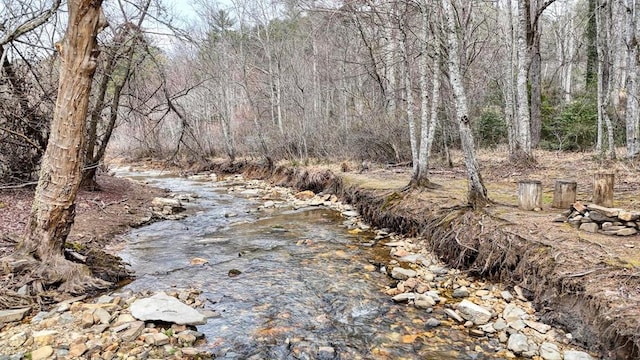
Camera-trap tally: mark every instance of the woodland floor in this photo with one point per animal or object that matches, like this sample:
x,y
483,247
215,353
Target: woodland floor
x,y
100,215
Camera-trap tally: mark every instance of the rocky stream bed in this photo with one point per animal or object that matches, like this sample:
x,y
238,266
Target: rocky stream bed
x,y
428,304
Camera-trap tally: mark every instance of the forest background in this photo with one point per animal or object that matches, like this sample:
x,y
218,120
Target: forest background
x,y
351,80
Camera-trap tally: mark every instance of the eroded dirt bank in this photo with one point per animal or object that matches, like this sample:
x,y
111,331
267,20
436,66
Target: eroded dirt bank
x,y
587,283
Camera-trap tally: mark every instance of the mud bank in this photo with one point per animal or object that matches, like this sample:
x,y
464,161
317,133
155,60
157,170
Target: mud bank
x,y
562,271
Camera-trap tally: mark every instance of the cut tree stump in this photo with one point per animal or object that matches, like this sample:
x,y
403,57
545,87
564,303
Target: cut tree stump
x,y
530,194
564,194
603,189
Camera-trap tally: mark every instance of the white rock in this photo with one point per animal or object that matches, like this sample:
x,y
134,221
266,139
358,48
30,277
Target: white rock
x,y
577,355
166,308
402,274
539,327
423,301
404,297
454,315
512,313
500,324
518,343
488,328
549,351
506,295
473,312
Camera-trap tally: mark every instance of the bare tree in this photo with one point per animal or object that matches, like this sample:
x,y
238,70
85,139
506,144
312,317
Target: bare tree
x,y
605,73
477,193
53,210
631,86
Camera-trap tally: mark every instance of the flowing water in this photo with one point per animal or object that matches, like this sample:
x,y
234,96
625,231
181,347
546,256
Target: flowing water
x,y
305,288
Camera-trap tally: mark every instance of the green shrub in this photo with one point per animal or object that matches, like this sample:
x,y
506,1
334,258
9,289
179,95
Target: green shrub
x,y
491,128
573,128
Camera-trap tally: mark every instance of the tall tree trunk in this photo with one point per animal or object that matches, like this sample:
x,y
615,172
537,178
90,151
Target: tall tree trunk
x,y
53,209
413,133
510,98
428,114
591,35
535,84
632,110
604,81
523,149
477,193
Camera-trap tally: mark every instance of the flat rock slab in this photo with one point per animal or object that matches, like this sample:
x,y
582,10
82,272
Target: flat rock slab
x,y
13,315
162,307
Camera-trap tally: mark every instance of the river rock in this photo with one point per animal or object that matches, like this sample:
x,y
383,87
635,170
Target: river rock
x,y
167,206
518,343
537,326
404,297
42,353
162,307
473,312
304,195
550,351
423,301
576,355
350,213
44,337
454,315
431,323
13,315
488,328
506,295
198,261
512,313
461,292
402,273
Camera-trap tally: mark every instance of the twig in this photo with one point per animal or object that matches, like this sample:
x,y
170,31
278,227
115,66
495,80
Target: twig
x,y
461,244
18,186
583,273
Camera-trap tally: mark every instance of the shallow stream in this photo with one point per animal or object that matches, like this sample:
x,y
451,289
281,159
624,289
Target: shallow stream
x,y
287,284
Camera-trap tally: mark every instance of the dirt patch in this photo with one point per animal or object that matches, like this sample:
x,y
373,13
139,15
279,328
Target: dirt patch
x,y
587,283
100,217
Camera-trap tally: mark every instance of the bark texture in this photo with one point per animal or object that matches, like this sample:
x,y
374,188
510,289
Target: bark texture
x,y
477,193
53,209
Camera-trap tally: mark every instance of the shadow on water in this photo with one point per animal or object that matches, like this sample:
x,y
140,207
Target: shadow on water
x,y
305,289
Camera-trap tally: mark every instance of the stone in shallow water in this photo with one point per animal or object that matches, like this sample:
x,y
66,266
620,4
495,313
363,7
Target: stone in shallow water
x,y
402,274
162,307
431,323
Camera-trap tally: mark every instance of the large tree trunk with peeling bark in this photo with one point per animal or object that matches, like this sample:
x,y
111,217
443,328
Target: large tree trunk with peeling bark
x,y
477,193
53,209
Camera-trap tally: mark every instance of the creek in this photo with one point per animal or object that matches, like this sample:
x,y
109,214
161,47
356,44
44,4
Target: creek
x,y
287,283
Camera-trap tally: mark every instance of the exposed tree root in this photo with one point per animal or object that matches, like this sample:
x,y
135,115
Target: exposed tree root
x,y
44,282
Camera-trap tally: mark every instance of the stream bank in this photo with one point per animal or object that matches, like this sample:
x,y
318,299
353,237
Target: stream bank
x,y
553,264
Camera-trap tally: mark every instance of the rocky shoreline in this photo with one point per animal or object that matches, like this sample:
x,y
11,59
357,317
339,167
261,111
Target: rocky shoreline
x,y
104,328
